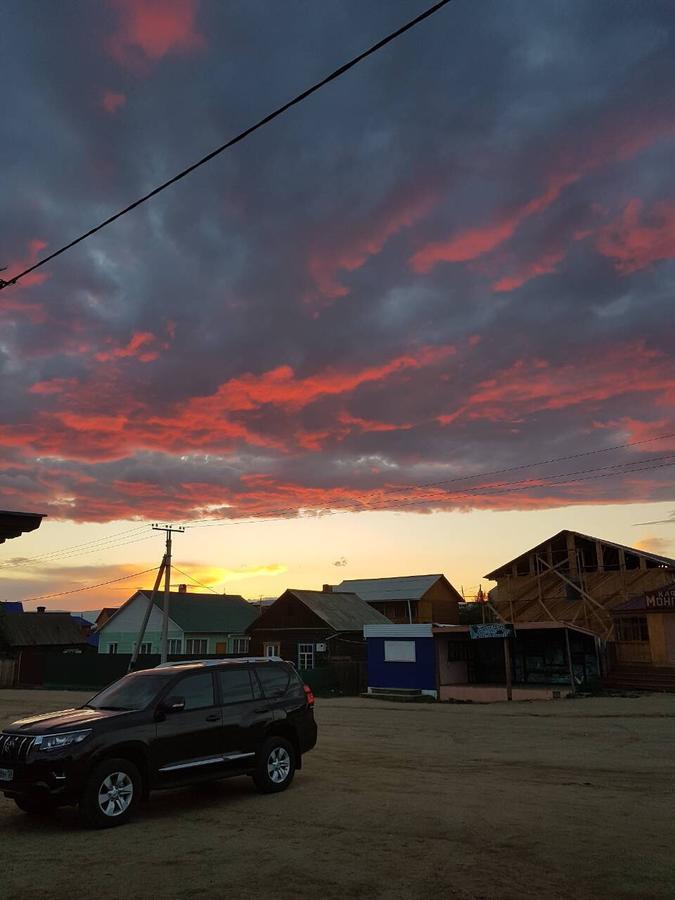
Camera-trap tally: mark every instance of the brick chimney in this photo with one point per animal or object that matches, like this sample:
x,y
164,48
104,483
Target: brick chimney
x,y
328,588
182,588
41,609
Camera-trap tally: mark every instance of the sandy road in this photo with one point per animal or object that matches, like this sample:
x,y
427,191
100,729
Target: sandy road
x,y
545,800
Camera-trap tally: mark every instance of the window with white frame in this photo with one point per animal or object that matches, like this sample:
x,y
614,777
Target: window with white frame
x,y
272,649
112,648
175,646
240,645
196,645
399,651
305,656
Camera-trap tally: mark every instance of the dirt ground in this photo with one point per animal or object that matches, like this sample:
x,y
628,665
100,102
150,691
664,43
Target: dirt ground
x,y
548,800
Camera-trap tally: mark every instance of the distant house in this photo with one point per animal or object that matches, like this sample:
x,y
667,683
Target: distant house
x,y
24,638
199,624
410,598
39,630
106,613
11,606
311,627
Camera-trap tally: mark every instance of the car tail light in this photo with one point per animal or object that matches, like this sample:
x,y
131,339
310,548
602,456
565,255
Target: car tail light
x,y
309,693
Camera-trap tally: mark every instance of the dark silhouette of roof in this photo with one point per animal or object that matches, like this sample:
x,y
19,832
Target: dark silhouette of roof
x,y
13,524
35,629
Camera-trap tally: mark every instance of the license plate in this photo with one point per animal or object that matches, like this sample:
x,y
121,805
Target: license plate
x,y
6,774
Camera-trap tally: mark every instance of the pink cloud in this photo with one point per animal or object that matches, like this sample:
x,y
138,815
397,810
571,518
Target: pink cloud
x,y
365,241
150,29
137,342
111,101
638,240
544,265
615,142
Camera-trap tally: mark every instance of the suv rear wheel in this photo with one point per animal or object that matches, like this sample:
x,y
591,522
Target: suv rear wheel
x,y
111,794
275,767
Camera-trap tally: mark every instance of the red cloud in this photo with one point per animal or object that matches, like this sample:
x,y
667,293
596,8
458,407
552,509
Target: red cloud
x,y
138,340
634,243
52,386
111,101
544,265
531,386
150,29
103,419
34,248
615,142
366,241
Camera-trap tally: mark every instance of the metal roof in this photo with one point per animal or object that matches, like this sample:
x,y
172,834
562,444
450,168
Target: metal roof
x,y
342,611
13,524
201,613
405,587
663,560
33,629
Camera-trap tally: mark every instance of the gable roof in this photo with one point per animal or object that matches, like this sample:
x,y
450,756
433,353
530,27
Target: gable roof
x,y
341,611
205,613
30,629
661,560
404,587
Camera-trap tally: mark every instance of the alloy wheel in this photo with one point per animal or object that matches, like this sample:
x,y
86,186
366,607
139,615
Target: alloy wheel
x,y
115,794
278,765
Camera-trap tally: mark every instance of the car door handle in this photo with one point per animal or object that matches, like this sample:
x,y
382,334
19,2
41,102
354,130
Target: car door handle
x,y
212,718
261,709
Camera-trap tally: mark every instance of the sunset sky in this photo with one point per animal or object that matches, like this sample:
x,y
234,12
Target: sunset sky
x,y
457,259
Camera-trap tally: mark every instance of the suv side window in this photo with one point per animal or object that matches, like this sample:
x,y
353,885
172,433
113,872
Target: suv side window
x,y
197,690
274,680
235,685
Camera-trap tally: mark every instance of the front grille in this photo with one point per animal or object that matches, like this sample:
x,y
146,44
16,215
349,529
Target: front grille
x,y
15,747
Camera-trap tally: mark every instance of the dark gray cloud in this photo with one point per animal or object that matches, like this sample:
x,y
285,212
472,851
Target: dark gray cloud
x,y
276,330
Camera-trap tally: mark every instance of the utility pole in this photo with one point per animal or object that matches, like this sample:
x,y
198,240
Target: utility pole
x,y
168,530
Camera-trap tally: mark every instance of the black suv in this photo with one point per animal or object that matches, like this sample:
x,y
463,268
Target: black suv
x,y
177,724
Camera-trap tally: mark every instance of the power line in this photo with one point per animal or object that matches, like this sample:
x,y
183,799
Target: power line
x,y
90,587
239,137
196,580
111,544
498,488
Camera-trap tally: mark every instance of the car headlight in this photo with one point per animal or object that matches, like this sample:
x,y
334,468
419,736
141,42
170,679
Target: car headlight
x,y
57,741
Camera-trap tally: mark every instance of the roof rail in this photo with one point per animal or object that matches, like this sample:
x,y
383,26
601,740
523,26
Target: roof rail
x,y
218,662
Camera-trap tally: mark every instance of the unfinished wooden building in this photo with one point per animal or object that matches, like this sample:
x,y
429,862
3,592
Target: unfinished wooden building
x,y
592,583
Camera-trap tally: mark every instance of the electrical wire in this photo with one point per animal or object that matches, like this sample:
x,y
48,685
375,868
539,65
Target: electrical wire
x,y
192,578
636,466
239,137
90,587
111,545
51,553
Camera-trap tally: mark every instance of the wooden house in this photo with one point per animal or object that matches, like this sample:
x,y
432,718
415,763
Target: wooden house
x,y
409,599
309,628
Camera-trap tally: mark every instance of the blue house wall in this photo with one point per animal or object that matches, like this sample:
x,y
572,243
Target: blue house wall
x,y
420,674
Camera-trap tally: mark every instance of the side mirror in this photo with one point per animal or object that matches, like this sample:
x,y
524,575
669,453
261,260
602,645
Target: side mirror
x,y
172,704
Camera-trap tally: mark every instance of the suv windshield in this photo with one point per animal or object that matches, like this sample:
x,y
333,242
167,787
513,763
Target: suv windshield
x,y
134,691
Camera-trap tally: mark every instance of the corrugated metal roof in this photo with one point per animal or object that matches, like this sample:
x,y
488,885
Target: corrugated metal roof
x,y
342,611
31,629
226,613
405,587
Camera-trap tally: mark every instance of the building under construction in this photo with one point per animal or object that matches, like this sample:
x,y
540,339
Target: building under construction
x,y
620,593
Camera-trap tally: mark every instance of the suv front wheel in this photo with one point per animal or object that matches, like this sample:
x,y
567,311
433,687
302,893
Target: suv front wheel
x,y
111,794
276,766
